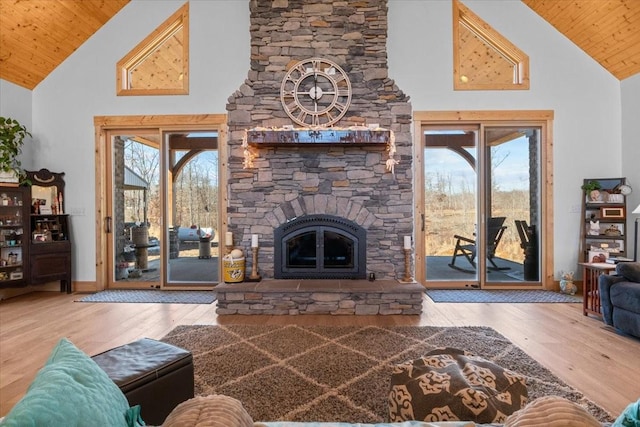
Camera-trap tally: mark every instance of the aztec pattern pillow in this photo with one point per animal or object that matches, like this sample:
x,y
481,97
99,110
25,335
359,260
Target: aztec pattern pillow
x,y
451,385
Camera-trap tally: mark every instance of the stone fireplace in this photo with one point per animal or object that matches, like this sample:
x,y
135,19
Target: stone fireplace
x,y
288,182
349,181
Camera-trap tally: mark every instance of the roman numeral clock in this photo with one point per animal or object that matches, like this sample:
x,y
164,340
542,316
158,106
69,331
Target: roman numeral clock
x,y
316,92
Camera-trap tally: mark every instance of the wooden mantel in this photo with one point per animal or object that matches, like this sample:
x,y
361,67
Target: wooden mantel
x,y
274,137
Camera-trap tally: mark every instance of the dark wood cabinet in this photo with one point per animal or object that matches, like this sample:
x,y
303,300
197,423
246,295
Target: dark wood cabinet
x,y
14,235
51,261
49,242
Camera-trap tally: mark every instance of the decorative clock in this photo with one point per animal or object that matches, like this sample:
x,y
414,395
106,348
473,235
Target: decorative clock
x,y
625,189
316,92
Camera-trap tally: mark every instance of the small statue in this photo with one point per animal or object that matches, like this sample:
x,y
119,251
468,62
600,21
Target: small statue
x,y
594,228
566,283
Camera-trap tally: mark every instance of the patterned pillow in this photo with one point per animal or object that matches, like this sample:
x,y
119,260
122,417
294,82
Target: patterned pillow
x,y
450,385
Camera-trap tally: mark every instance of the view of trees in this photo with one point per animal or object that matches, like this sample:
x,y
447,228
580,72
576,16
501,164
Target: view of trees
x,y
451,198
195,192
449,214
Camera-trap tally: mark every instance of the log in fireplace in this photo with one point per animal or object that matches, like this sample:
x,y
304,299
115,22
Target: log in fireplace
x,y
320,247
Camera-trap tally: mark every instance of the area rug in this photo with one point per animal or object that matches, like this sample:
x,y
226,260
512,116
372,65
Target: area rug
x,y
151,296
331,373
500,295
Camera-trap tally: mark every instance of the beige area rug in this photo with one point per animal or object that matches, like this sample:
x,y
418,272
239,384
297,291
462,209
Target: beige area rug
x,y
329,373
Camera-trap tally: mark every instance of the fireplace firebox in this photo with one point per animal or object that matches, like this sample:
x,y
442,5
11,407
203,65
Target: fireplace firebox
x,y
320,247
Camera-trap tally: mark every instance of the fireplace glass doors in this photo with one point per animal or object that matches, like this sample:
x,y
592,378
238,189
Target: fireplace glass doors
x,y
320,247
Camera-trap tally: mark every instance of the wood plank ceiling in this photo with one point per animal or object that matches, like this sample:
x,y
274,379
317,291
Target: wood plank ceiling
x,y
37,35
607,30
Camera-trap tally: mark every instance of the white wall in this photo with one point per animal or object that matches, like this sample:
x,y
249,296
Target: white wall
x,y
84,86
631,148
15,103
585,98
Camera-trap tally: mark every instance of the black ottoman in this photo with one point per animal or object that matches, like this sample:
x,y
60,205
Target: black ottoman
x,y
155,375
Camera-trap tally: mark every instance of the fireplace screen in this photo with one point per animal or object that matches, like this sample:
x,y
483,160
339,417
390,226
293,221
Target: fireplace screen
x,y
320,247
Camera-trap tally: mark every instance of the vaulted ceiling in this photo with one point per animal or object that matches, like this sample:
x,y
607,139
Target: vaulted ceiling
x,y
37,35
607,30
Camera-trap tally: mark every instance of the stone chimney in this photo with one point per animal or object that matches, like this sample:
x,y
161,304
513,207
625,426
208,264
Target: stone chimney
x,y
349,181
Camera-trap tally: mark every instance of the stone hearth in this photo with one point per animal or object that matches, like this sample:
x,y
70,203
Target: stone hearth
x,y
338,297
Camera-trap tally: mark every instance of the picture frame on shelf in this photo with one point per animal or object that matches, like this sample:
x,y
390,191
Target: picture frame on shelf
x,y
597,256
612,212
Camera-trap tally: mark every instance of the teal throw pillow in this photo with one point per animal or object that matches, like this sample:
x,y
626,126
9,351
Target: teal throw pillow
x,y
630,417
71,390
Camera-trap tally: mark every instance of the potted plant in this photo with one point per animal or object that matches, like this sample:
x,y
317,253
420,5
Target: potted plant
x,y
12,135
592,189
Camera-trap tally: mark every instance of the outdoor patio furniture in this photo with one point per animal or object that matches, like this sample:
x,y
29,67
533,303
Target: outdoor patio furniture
x,y
466,247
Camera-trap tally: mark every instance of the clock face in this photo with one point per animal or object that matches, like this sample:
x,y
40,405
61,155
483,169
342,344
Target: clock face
x,y
625,190
316,92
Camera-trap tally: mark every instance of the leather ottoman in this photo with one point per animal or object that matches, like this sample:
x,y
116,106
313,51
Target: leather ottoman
x,y
155,375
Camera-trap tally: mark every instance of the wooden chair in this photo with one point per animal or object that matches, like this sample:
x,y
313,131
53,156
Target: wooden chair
x,y
466,247
523,232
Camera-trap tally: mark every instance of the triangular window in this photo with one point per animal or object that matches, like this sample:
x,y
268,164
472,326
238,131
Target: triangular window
x,y
482,58
159,65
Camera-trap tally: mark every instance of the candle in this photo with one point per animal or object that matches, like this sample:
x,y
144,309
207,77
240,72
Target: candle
x,y
254,240
229,238
407,242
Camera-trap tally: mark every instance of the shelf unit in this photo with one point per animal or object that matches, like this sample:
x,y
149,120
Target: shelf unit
x,y
49,245
604,216
14,247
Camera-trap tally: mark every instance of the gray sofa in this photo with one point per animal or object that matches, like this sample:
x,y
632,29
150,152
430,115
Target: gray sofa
x,y
620,298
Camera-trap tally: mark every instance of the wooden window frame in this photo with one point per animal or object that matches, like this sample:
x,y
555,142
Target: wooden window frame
x,y
462,15
542,118
179,20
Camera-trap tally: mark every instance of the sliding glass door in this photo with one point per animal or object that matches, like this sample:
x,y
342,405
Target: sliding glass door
x,y
163,217
134,223
192,194
451,203
481,199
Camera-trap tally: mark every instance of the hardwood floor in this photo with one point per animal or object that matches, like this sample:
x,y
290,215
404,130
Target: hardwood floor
x,y
580,350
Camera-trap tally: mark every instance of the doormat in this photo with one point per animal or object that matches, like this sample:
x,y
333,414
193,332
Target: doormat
x,y
151,296
500,295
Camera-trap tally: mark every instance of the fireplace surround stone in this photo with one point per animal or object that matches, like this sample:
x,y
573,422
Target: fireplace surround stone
x,y
335,297
348,180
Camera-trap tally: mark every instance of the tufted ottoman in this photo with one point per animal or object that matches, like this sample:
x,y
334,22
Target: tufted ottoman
x,y
155,375
452,385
